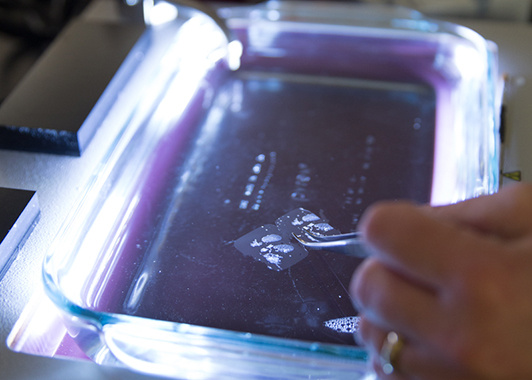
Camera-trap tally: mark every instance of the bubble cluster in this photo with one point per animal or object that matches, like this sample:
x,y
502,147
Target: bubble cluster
x,y
343,325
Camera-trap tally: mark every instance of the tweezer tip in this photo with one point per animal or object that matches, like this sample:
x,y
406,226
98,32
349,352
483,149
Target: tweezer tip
x,y
299,238
347,244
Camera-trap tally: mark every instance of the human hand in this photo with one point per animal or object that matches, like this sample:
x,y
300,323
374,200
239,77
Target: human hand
x,y
455,282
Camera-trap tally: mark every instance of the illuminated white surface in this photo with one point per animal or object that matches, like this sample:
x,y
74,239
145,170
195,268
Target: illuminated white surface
x,y
161,13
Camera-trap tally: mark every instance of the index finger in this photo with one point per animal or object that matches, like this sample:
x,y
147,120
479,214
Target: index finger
x,y
420,246
505,214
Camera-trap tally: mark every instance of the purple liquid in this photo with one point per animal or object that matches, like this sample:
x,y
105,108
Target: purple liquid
x,y
270,144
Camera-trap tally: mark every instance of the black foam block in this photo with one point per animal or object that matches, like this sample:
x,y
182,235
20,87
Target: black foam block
x,y
19,211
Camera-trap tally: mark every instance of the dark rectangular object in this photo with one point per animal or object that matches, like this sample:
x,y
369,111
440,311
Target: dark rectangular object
x,y
58,105
19,210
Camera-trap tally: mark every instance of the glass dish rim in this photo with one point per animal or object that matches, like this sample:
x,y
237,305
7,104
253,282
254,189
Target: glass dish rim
x,y
100,320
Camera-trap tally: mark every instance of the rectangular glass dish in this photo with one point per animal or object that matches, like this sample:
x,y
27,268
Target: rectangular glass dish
x,y
179,261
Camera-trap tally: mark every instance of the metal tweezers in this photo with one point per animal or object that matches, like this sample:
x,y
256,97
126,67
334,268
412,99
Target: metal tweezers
x,y
349,244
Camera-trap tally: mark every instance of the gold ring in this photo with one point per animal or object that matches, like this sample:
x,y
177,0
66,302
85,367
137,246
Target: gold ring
x,y
390,351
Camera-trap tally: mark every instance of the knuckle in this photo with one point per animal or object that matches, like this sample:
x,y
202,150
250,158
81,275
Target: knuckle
x,y
480,285
382,218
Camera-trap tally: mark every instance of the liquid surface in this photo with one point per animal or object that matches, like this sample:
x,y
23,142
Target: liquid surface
x,y
267,146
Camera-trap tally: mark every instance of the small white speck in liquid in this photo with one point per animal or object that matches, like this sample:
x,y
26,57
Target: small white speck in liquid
x,y
249,189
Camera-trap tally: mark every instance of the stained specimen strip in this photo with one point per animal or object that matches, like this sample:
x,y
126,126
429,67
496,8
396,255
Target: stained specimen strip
x,y
274,244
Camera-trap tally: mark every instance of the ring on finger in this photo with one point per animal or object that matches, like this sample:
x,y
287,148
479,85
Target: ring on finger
x,y
390,352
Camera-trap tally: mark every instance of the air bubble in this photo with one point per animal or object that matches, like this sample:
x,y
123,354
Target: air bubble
x,y
297,222
255,243
273,258
283,248
310,218
323,227
272,238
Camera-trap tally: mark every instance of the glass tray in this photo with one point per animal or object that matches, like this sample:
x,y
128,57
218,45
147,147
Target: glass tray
x,y
179,261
